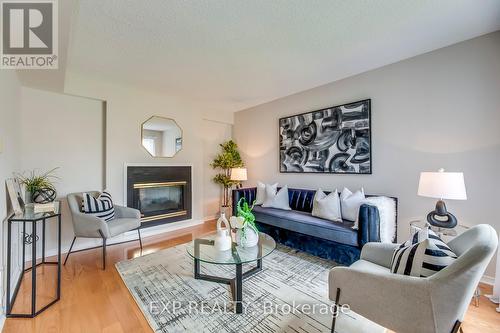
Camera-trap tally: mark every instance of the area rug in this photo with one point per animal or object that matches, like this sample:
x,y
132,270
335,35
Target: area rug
x,y
290,294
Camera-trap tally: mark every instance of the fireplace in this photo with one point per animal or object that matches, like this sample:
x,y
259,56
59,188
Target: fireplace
x,y
161,193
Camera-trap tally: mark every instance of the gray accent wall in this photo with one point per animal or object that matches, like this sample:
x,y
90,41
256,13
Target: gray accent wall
x,y
439,109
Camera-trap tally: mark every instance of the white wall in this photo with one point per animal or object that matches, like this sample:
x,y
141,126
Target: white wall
x,y
214,133
41,130
440,109
63,131
127,109
67,131
10,90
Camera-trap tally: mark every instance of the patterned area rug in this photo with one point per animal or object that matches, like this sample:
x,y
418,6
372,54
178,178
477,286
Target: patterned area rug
x,y
290,294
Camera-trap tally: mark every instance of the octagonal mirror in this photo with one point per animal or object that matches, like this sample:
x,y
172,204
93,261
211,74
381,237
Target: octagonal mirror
x,y
161,137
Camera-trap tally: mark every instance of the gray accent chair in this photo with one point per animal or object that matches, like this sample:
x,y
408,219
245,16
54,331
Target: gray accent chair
x,y
408,304
88,226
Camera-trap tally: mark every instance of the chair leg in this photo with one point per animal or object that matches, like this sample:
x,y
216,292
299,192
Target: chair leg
x,y
140,240
336,313
103,250
477,296
70,248
457,327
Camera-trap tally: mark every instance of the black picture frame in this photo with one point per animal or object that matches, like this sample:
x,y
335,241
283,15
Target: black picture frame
x,y
332,140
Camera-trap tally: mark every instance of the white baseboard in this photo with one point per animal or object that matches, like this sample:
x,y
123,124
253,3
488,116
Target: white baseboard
x,y
85,243
490,280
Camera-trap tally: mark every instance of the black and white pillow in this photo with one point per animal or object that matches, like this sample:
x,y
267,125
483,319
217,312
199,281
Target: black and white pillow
x,y
101,207
422,255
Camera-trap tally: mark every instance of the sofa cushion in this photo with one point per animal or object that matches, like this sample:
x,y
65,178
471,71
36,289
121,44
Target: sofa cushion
x,y
350,203
327,206
305,223
260,196
276,199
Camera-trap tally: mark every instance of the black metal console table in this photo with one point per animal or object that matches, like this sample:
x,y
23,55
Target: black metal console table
x,y
31,239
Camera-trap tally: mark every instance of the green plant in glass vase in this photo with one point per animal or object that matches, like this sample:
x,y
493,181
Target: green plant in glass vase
x,y
247,234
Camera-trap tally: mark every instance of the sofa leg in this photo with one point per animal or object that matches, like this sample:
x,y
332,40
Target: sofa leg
x,y
70,248
457,327
336,313
103,250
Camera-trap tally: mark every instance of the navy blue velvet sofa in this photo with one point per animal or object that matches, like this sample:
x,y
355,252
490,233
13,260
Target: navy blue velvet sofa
x,y
297,228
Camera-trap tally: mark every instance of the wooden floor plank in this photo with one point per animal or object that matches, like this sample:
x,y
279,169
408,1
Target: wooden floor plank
x,y
98,301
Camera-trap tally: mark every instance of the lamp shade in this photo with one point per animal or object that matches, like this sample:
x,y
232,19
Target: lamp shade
x,y
239,174
442,185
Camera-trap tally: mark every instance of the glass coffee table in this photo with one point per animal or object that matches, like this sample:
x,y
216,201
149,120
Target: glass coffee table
x,y
203,250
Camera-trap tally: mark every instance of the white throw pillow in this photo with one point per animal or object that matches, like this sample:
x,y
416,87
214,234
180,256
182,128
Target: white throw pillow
x,y
422,255
260,197
327,206
276,200
350,203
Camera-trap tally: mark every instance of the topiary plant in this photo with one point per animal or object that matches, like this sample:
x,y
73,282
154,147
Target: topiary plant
x,y
227,159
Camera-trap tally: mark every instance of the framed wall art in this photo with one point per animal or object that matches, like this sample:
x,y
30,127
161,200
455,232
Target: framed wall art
x,y
15,195
331,140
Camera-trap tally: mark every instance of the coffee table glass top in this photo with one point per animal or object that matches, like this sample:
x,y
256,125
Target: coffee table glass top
x,y
203,249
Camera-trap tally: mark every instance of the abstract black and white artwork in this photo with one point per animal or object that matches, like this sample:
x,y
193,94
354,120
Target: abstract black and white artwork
x,y
331,140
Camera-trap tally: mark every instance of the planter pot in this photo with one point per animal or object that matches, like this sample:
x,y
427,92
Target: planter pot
x,y
247,237
44,195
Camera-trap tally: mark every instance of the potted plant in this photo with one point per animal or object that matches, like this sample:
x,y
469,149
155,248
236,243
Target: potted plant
x,y
247,234
34,182
227,159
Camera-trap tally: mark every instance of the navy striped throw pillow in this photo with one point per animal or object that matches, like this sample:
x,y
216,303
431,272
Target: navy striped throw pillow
x,y
101,207
423,255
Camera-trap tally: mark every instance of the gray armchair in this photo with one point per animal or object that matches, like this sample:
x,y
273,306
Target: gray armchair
x,y
408,304
88,226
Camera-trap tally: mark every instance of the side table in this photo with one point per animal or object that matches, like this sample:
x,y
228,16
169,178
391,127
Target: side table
x,y
25,219
446,234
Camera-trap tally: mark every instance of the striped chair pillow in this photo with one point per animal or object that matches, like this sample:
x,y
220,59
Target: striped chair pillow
x,y
423,255
101,207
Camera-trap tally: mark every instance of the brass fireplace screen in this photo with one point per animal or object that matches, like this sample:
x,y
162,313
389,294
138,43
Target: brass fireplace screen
x,y
160,200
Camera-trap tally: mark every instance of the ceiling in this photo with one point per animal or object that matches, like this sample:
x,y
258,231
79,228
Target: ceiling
x,y
240,53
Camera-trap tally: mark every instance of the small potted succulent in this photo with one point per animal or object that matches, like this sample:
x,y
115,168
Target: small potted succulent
x,y
247,234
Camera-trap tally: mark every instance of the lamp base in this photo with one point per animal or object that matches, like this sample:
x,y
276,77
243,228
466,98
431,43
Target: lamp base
x,y
440,217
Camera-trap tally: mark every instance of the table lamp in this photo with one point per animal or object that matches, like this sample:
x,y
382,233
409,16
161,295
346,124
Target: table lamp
x,y
239,174
442,185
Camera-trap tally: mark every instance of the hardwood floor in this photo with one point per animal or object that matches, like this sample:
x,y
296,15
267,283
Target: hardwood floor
x,y
94,300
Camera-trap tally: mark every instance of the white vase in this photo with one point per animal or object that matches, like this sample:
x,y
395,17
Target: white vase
x,y
222,241
251,238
